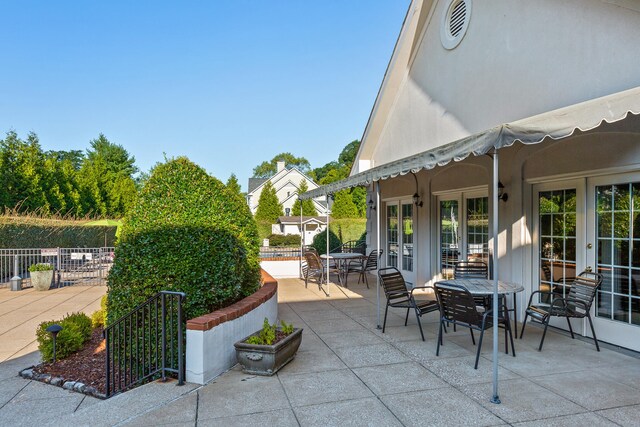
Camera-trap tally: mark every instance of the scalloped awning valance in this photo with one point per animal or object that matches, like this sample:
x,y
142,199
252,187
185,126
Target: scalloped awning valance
x,y
556,124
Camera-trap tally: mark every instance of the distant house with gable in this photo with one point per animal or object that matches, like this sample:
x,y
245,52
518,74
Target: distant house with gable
x,y
286,182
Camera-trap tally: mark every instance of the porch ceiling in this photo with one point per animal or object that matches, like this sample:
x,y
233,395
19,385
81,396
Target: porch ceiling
x,y
555,125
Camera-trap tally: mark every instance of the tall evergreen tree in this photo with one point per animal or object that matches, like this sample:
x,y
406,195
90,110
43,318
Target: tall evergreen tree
x,y
269,208
308,208
234,185
343,206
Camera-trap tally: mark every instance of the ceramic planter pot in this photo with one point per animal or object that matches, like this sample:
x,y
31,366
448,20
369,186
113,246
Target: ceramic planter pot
x,y
41,280
267,359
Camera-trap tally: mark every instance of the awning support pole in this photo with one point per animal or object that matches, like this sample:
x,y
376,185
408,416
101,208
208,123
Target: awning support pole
x,y
303,238
327,265
495,399
377,185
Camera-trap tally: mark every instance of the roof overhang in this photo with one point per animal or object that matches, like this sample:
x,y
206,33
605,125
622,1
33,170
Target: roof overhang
x,y
555,125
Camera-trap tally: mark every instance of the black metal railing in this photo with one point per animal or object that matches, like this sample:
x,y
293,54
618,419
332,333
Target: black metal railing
x,y
147,343
352,246
279,252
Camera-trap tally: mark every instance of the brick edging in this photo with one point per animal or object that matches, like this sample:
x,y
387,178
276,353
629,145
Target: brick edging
x,y
262,295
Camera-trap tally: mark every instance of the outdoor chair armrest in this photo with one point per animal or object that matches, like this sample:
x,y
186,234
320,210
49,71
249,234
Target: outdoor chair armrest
x,y
537,292
422,287
576,301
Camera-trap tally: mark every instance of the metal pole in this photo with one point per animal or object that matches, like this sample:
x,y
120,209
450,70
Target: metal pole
x,y
327,253
496,397
164,337
377,185
303,238
16,267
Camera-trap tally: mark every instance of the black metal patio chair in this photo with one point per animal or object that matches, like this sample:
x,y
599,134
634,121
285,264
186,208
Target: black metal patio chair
x,y
577,304
363,266
473,270
457,306
398,296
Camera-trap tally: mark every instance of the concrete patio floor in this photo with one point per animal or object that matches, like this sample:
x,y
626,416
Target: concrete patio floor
x,y
348,373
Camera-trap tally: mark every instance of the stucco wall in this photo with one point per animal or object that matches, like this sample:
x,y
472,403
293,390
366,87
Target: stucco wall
x,y
517,59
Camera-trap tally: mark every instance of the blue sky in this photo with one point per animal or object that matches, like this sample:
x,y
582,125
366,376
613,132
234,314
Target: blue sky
x,y
226,83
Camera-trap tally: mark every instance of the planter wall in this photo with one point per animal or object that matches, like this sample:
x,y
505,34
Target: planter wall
x,y
210,338
282,268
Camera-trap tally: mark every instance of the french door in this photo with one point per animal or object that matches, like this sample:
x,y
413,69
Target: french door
x,y
614,234
593,224
463,229
400,236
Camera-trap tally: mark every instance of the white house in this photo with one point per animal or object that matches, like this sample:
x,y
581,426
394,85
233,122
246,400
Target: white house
x,y
551,90
286,182
306,226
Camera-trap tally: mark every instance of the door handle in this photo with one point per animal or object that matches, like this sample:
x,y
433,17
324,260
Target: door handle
x,y
589,246
588,269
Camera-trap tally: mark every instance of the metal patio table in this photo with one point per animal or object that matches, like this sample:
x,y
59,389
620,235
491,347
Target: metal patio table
x,y
342,260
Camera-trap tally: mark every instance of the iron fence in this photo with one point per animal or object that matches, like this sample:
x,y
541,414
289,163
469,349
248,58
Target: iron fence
x,y
147,343
74,266
279,252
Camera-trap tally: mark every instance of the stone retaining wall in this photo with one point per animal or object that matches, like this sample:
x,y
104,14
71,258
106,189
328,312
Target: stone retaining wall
x,y
210,338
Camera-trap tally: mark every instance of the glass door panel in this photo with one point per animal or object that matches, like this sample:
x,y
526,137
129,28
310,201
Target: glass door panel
x,y
449,237
478,229
557,240
392,235
618,252
407,236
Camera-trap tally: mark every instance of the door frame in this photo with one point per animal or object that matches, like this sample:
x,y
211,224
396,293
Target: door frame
x,y
409,276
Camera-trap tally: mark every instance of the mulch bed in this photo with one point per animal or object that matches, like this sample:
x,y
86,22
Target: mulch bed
x,y
87,365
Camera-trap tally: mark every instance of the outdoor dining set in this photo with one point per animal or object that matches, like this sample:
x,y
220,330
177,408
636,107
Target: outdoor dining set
x,y
464,301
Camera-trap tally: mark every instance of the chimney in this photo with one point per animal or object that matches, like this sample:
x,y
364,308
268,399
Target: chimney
x,y
280,166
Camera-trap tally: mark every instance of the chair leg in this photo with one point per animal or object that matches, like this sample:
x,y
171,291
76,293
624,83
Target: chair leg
x,y
515,315
524,323
419,323
439,338
479,347
406,319
473,338
546,324
384,324
593,332
570,328
364,274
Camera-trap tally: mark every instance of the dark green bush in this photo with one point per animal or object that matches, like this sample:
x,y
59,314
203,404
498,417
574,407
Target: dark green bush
x,y
76,330
98,317
284,240
320,242
187,232
26,232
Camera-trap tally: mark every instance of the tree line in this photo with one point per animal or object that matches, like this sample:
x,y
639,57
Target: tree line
x,y
98,182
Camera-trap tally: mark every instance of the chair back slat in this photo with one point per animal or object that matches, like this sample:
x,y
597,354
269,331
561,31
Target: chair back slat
x,y
372,260
313,261
392,282
584,289
471,270
457,304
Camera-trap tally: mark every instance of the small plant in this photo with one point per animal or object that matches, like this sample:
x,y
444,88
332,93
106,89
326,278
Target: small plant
x,y
286,328
42,266
76,330
98,317
268,333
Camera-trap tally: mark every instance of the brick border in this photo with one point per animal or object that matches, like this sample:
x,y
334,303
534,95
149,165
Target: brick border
x,y
208,321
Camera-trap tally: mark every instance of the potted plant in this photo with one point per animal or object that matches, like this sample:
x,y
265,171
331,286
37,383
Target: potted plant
x,y
41,276
269,349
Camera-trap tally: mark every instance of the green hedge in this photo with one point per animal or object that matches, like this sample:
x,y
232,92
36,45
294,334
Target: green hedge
x,y
49,234
348,228
76,330
284,240
187,232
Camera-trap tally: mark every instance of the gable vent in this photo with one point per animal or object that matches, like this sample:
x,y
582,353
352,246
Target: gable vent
x,y
458,17
455,21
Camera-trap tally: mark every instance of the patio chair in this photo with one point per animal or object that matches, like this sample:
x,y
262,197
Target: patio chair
x,y
457,306
363,266
576,304
398,296
473,270
315,267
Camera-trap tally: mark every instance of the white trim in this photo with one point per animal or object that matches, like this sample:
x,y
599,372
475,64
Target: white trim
x,y
583,174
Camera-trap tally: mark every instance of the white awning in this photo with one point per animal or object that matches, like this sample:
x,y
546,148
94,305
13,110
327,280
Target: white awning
x,y
556,124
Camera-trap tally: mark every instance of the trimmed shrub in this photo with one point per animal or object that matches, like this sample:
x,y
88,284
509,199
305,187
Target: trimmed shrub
x,y
76,330
320,242
284,240
34,232
187,232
